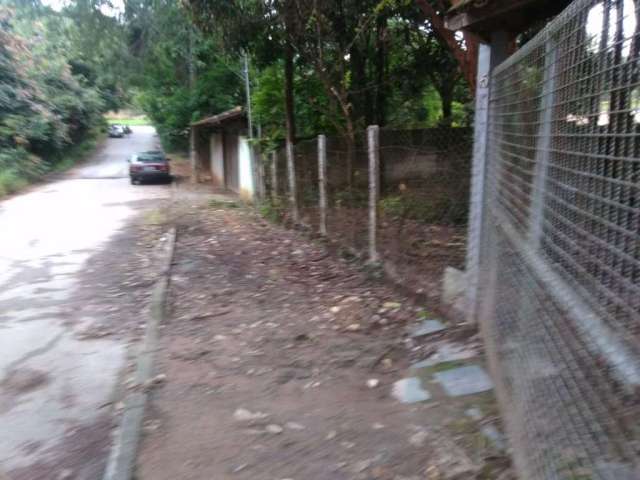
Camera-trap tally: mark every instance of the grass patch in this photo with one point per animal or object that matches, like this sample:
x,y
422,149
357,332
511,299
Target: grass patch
x,y
12,181
129,121
445,366
272,210
441,367
79,152
436,208
155,217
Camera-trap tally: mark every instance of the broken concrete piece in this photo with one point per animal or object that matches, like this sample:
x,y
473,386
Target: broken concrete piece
x,y
427,327
409,390
447,352
467,380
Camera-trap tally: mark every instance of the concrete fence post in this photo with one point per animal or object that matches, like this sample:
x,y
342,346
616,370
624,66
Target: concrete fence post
x,y
489,57
274,175
543,144
256,172
293,193
193,156
322,182
373,144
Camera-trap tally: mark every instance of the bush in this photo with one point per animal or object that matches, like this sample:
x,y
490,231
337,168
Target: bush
x,y
436,209
46,113
272,210
10,182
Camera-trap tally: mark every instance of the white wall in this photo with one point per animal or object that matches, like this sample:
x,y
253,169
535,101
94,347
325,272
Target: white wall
x,y
245,170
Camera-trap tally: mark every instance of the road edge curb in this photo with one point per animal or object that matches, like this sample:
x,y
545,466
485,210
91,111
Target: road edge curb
x,y
122,456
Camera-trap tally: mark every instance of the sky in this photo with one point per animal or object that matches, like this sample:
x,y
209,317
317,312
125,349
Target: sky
x,y
116,7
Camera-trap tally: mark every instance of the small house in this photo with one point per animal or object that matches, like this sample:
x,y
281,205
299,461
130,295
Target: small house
x,y
221,152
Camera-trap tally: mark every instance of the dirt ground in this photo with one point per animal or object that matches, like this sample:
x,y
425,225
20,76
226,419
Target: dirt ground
x,y
280,361
416,253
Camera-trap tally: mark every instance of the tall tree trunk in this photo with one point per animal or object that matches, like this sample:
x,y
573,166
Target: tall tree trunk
x,y
446,97
467,56
359,96
351,152
381,69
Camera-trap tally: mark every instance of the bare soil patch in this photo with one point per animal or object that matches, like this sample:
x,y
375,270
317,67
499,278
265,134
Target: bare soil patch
x,y
270,358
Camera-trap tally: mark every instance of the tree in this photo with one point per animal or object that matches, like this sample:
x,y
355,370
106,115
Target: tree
x,y
462,45
419,60
45,106
181,74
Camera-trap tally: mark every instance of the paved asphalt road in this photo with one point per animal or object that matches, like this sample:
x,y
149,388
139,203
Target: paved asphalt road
x,y
51,381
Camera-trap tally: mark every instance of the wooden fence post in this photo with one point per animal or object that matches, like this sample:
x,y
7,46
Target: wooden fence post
x,y
373,143
322,182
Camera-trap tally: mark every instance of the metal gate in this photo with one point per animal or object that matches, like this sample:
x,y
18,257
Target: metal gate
x,y
559,244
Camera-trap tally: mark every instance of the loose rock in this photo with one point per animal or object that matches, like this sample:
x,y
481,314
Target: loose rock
x,y
244,415
274,429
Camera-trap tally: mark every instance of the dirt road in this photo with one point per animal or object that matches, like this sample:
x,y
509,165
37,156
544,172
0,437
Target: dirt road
x,y
73,277
285,362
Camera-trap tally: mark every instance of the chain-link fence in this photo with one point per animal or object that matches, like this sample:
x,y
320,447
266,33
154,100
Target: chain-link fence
x,y
277,196
559,295
425,176
420,211
347,192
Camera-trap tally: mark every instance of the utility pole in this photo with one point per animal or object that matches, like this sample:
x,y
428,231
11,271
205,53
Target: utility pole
x,y
247,87
257,182
289,109
192,136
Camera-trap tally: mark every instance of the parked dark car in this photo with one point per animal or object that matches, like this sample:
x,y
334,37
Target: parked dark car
x,y
151,165
116,131
127,129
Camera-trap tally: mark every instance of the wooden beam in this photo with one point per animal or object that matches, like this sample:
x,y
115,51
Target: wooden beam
x,y
511,15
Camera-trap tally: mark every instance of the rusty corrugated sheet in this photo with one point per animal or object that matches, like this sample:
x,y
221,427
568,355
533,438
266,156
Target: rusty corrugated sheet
x,y
221,117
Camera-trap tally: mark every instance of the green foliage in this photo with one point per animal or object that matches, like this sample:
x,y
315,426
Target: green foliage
x,y
356,63
354,198
10,182
268,105
183,75
129,121
45,109
433,209
272,210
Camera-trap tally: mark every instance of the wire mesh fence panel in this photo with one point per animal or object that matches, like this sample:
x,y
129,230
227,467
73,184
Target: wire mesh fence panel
x,y
560,245
279,185
424,203
306,162
348,191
